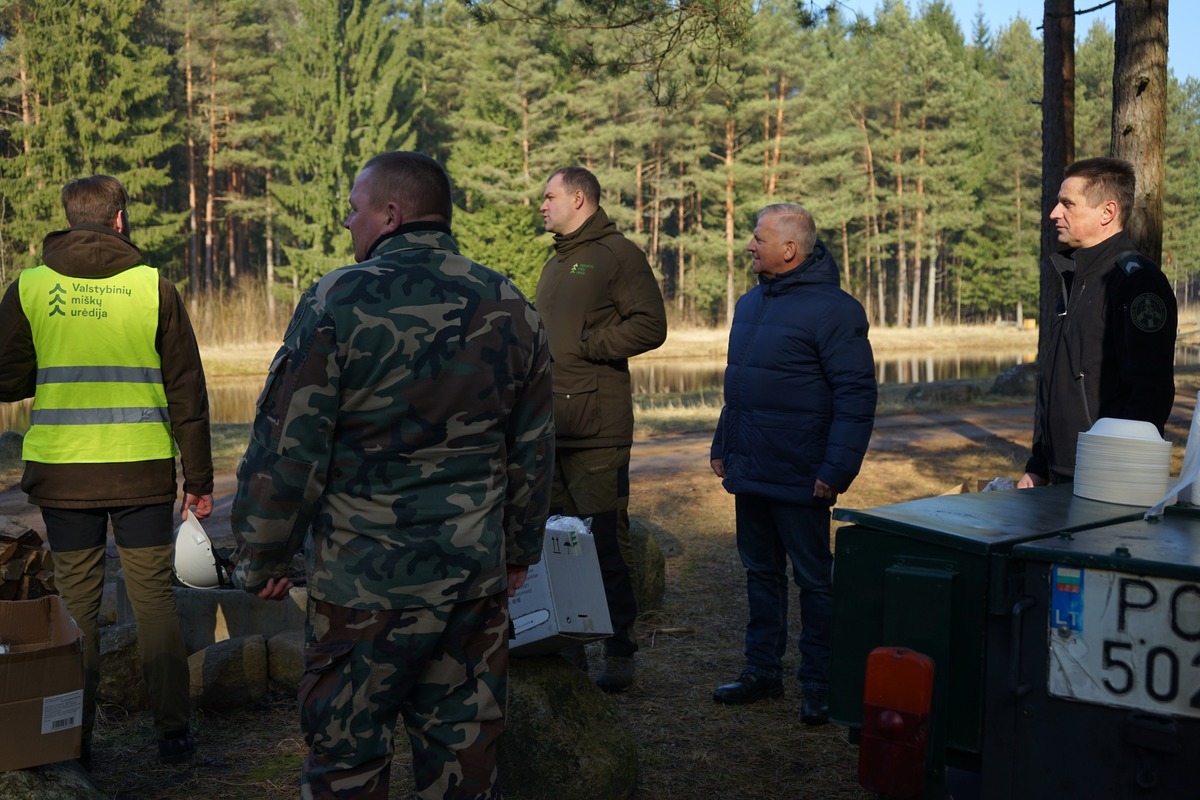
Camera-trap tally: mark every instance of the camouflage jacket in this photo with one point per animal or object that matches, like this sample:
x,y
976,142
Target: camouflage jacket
x,y
406,422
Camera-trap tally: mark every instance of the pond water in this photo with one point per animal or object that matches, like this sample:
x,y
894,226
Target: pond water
x,y
232,400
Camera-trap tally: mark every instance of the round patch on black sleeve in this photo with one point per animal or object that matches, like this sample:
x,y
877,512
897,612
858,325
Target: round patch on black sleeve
x,y
1148,312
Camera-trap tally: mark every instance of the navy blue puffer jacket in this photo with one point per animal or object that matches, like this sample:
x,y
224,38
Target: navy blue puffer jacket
x,y
800,386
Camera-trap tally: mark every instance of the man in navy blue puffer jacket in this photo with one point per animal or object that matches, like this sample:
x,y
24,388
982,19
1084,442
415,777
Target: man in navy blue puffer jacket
x,y
799,408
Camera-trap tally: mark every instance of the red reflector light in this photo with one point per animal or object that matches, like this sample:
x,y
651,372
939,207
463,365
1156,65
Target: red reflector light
x,y
895,734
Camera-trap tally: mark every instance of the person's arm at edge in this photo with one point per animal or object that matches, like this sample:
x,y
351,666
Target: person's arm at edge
x,y
1147,357
530,465
281,477
18,360
187,399
849,364
715,459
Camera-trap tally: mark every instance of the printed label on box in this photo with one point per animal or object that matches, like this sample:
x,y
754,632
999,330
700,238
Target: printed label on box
x,y
62,712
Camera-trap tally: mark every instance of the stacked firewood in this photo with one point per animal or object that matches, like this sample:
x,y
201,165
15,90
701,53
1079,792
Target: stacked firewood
x,y
26,566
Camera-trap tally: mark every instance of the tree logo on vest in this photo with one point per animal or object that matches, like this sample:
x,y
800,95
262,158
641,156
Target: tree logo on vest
x,y
1148,312
57,301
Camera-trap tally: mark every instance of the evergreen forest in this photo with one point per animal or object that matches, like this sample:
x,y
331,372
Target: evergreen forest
x,y
238,127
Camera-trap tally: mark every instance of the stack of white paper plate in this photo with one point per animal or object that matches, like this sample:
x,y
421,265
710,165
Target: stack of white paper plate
x,y
1122,461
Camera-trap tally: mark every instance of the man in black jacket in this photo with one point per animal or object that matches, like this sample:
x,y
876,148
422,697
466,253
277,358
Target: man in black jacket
x,y
601,306
1113,338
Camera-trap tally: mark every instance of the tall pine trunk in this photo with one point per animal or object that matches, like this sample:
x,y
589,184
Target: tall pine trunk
x,y
920,231
872,223
1058,144
846,256
901,236
193,245
932,281
656,207
27,113
1139,120
681,269
269,247
730,260
210,200
525,173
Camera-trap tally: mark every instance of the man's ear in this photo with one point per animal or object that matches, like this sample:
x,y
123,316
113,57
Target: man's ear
x,y
1109,212
578,200
395,217
121,222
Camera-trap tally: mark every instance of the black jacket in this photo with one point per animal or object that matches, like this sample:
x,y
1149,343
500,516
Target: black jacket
x,y
1112,351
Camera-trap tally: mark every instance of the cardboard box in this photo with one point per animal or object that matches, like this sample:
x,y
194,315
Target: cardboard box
x,y
41,683
562,602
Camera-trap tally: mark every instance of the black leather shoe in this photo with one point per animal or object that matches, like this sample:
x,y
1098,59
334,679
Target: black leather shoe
x,y
176,748
748,688
814,708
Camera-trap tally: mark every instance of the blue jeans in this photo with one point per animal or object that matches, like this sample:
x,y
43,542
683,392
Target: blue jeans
x,y
768,532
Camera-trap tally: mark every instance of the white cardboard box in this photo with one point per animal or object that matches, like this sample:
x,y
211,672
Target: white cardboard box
x,y
562,602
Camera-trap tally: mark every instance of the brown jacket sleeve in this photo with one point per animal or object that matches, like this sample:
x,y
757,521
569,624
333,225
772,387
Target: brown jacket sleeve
x,y
187,394
18,361
641,323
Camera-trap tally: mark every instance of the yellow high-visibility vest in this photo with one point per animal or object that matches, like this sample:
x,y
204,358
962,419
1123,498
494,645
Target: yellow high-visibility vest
x,y
99,395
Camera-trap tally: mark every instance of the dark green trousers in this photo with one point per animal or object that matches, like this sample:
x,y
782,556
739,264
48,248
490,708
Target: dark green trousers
x,y
146,545
593,482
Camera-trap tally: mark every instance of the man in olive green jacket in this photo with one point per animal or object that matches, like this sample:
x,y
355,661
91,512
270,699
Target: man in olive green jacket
x,y
601,305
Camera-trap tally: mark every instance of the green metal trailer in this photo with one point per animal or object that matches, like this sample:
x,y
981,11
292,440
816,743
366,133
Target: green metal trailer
x,y
964,579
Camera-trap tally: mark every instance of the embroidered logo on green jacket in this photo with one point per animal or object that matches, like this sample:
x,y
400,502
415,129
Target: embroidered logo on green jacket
x,y
579,268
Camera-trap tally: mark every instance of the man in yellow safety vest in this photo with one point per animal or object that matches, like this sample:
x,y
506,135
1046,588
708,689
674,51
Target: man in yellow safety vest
x,y
104,346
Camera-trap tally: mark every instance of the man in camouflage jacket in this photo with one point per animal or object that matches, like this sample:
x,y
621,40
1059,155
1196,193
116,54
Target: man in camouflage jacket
x,y
404,438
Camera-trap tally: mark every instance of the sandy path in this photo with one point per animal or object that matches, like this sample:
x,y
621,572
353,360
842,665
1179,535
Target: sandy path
x,y
924,432
675,453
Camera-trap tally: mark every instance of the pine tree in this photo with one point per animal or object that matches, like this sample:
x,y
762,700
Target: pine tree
x,y
344,87
94,99
225,61
1181,199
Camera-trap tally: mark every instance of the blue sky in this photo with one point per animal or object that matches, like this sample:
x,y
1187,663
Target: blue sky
x,y
1183,17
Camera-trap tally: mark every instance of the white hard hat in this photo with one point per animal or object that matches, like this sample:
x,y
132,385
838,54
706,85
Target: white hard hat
x,y
195,564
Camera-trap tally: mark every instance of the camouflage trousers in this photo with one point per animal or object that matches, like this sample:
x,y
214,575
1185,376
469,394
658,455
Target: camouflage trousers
x,y
443,671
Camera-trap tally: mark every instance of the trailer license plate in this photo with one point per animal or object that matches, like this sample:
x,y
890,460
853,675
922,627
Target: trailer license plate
x,y
1126,640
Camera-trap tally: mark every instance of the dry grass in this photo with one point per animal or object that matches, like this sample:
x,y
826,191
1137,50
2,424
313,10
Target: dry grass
x,y
703,343
228,356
